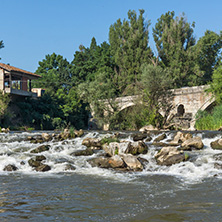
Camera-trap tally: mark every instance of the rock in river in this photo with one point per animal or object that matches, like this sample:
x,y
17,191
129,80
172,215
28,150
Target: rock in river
x,y
169,156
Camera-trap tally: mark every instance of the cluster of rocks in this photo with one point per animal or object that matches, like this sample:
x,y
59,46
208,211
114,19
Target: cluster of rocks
x,y
121,154
125,155
45,137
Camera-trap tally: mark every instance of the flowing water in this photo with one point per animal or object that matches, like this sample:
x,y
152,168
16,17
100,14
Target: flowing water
x,y
188,191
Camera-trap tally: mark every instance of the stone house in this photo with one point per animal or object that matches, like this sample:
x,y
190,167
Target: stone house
x,y
16,82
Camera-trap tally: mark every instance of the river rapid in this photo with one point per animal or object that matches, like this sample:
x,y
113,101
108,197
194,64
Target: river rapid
x,y
187,191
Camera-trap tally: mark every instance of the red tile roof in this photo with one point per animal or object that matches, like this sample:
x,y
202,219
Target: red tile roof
x,y
12,68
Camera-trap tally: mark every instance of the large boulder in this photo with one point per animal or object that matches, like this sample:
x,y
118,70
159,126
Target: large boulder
x,y
132,162
216,145
40,149
92,142
181,137
112,148
136,148
116,162
99,162
169,156
195,142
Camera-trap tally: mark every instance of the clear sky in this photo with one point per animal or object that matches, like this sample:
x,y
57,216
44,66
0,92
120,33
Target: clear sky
x,y
31,29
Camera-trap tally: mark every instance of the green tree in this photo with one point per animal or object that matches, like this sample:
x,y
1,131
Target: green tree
x,y
100,94
175,41
216,84
55,72
208,51
89,61
155,82
129,48
4,102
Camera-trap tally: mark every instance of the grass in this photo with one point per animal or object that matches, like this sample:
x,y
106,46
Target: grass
x,y
209,121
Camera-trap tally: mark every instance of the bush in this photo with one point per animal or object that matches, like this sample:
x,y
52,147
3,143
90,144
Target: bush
x,y
209,121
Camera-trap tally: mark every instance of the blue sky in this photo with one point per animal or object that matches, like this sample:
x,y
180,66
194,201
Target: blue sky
x,y
31,29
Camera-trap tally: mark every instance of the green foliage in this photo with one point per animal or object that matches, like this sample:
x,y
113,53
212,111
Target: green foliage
x,y
208,50
129,48
4,102
209,121
175,42
186,156
216,84
109,140
155,83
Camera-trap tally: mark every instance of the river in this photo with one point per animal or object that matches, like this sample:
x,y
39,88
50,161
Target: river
x,y
188,191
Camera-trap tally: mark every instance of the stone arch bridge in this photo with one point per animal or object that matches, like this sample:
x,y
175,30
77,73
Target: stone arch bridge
x,y
186,102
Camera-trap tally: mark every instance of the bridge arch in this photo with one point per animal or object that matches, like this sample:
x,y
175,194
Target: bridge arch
x,y
187,101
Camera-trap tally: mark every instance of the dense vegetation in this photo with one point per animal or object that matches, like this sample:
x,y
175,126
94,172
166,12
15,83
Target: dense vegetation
x,y
127,65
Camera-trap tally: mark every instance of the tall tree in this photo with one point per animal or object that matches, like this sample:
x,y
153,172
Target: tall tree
x,y
55,72
208,52
174,38
89,61
129,48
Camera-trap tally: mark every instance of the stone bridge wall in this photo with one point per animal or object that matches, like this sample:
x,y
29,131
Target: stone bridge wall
x,y
192,99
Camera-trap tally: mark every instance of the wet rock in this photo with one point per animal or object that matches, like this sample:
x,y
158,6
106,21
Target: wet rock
x,y
218,166
40,158
169,156
10,167
143,161
181,137
161,137
139,136
34,163
218,156
99,162
148,139
132,162
69,167
112,148
95,142
43,168
22,163
79,133
86,152
46,137
195,142
136,148
116,162
40,149
216,145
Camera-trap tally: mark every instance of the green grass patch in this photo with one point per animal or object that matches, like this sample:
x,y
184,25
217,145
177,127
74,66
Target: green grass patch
x,y
209,121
